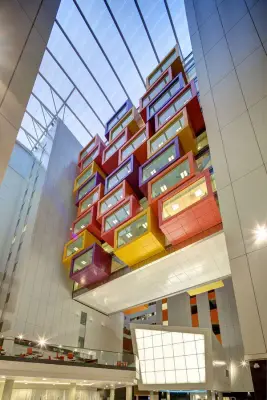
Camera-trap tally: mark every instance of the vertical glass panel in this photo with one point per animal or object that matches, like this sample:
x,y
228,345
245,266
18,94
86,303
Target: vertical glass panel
x,y
91,158
164,98
175,176
133,231
88,149
185,198
111,201
83,222
204,162
89,186
117,117
119,176
157,89
75,246
169,60
202,141
158,162
117,217
141,138
83,261
89,201
169,133
174,107
115,146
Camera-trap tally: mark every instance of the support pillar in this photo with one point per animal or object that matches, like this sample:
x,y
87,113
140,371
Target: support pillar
x,y
258,370
211,395
112,394
7,391
72,392
168,396
129,392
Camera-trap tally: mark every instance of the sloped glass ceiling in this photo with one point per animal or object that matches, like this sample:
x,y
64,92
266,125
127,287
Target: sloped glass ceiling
x,y
98,55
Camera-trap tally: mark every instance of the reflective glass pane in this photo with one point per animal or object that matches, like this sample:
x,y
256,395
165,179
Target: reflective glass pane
x,y
91,158
163,67
83,261
141,138
175,176
115,147
111,201
158,162
202,141
159,141
185,198
119,176
74,246
83,222
204,162
89,201
86,175
174,107
117,117
88,149
117,217
132,231
115,132
158,88
164,98
89,186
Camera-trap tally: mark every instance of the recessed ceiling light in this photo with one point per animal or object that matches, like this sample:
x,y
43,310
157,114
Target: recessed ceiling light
x,y
175,207
75,248
198,193
261,233
44,379
83,262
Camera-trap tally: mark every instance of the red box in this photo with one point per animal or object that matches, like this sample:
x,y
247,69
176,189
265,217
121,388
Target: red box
x,y
95,195
138,149
192,106
111,163
94,155
119,193
87,149
90,223
153,202
193,219
134,207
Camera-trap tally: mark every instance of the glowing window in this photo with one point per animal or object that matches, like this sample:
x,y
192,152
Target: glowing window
x,y
117,217
115,147
111,201
156,74
91,158
74,246
132,231
159,141
89,201
119,176
174,107
87,187
141,138
82,261
159,162
84,177
185,198
126,120
154,92
82,223
164,98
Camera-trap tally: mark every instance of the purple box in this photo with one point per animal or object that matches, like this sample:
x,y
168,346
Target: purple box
x,y
156,164
93,265
128,171
88,185
117,116
172,86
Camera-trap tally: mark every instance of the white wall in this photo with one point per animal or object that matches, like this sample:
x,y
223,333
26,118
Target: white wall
x,y
52,394
41,299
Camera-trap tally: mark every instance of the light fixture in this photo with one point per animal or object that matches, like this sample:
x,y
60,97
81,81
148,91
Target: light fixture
x,y
219,363
20,336
82,226
129,235
153,172
175,206
3,377
109,205
70,229
183,174
83,262
75,248
198,193
244,363
163,188
261,233
160,144
144,225
171,158
75,349
42,341
44,379
60,346
115,221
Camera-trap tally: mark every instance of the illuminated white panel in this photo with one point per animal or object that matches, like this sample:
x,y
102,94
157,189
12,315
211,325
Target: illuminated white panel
x,y
170,357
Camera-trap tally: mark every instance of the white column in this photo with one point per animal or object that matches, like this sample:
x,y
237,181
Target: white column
x,y
168,396
211,395
7,391
129,392
112,394
72,392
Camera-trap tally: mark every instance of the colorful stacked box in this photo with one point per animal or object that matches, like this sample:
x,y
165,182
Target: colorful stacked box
x,y
159,152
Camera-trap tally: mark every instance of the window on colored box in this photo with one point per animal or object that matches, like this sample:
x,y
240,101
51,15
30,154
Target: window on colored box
x,y
111,201
133,231
153,93
172,178
121,126
158,163
119,176
75,246
91,158
166,135
185,198
204,162
82,223
89,186
83,261
164,98
89,201
202,141
174,107
87,151
134,144
162,68
117,117
115,147
117,217
84,177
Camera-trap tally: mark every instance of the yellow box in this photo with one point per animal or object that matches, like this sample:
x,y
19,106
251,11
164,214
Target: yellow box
x,y
77,245
139,238
177,126
86,174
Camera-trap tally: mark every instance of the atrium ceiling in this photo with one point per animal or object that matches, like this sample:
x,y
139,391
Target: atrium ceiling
x,y
98,55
